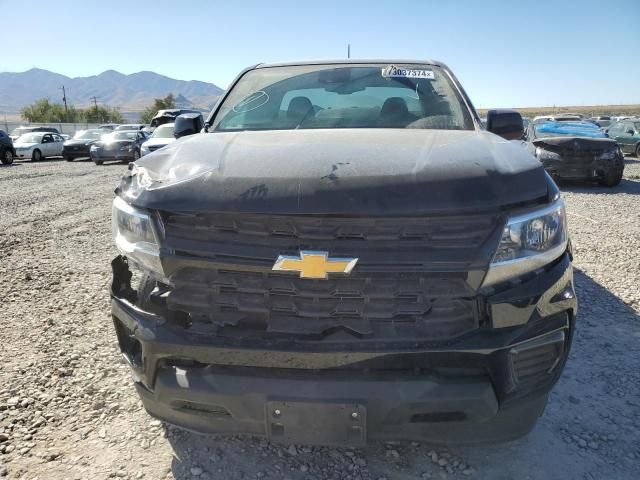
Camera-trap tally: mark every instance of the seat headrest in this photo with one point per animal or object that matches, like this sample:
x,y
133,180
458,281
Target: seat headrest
x,y
299,107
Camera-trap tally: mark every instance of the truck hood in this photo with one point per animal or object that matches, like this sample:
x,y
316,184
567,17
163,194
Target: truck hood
x,y
361,172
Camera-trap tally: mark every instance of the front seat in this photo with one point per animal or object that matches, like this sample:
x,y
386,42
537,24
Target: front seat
x,y
395,113
299,108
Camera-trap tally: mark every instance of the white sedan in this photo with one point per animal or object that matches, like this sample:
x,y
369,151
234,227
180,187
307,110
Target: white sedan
x,y
39,145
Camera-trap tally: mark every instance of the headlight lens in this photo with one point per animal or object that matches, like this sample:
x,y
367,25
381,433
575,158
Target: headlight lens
x,y
529,242
144,150
134,235
609,155
543,154
125,148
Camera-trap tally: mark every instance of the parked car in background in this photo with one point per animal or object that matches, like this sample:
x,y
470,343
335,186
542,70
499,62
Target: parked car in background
x,y
131,126
576,150
79,145
603,121
108,126
122,146
39,145
161,137
19,131
169,116
7,152
626,134
557,118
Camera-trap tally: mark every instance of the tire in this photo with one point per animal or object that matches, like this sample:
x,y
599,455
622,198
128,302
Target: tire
x,y
36,156
136,155
68,159
638,150
613,176
98,162
7,157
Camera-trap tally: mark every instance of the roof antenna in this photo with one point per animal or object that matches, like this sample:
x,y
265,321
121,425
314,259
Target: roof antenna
x,y
348,50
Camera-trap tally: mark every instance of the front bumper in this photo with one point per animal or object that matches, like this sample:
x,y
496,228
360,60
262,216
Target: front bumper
x,y
489,385
117,155
74,153
24,153
583,169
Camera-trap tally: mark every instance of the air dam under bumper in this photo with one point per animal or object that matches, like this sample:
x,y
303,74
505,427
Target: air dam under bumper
x,y
490,385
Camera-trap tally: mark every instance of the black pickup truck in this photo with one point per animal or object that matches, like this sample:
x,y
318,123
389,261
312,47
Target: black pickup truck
x,y
345,255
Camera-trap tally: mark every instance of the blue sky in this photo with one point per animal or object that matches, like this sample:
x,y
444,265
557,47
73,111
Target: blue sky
x,y
506,53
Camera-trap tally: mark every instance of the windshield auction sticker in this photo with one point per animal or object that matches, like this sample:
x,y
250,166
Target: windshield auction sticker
x,y
397,72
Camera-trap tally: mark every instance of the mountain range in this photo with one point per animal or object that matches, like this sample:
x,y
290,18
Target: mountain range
x,y
132,92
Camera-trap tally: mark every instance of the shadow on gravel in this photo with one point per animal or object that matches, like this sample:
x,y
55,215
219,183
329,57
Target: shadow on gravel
x,y
589,430
630,187
2,165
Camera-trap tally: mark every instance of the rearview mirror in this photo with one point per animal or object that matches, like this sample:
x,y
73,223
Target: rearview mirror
x,y
505,123
187,124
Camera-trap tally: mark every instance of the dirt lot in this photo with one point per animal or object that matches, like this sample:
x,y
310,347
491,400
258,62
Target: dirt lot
x,y
68,409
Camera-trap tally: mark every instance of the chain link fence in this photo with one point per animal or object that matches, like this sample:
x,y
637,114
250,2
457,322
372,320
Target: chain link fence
x,y
67,128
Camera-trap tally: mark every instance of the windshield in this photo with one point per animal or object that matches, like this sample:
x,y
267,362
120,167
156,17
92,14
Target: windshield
x,y
30,138
337,96
120,136
128,127
88,134
573,129
163,131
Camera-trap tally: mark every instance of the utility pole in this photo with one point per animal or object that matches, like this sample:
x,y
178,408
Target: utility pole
x,y
64,99
95,102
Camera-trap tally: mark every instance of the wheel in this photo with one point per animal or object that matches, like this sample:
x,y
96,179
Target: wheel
x,y
136,155
98,162
68,159
36,156
613,176
7,157
638,150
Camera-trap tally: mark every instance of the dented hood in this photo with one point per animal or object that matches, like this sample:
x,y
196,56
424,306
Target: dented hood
x,y
576,142
362,172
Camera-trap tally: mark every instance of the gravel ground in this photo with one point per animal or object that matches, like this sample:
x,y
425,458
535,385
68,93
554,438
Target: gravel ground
x,y
68,409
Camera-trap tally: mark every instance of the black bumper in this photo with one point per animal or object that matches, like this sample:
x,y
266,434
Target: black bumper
x,y
583,169
73,154
112,156
489,385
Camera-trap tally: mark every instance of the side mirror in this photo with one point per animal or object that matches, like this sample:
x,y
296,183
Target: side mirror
x,y
631,131
187,124
505,123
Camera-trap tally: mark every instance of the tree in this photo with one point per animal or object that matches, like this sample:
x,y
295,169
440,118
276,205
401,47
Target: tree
x,y
100,114
158,104
43,111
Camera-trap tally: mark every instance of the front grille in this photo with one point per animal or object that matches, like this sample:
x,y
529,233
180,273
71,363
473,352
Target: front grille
x,y
435,232
410,282
398,307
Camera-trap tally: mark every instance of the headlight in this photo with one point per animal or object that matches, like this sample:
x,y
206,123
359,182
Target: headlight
x,y
144,150
529,242
609,155
94,148
125,148
134,235
543,154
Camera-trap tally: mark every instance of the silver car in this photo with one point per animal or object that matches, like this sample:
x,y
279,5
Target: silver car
x,y
39,145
